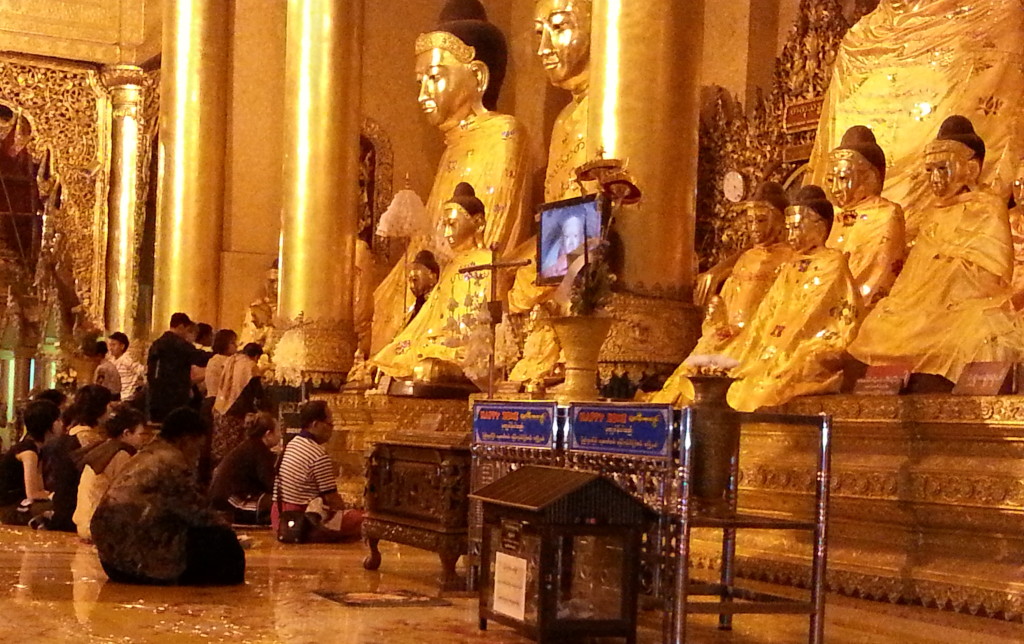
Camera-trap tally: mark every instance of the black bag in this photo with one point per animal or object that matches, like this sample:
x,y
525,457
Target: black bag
x,y
293,526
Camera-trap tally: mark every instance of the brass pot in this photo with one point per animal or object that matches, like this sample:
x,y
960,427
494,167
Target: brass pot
x,y
716,440
581,338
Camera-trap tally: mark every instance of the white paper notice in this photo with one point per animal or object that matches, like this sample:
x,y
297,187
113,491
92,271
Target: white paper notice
x,y
509,586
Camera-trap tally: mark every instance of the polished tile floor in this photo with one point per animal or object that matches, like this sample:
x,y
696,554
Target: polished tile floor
x,y
55,591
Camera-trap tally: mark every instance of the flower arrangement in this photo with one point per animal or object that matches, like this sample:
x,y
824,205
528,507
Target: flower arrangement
x,y
592,289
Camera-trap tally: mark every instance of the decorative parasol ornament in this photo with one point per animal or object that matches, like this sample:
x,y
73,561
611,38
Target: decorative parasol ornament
x,y
405,217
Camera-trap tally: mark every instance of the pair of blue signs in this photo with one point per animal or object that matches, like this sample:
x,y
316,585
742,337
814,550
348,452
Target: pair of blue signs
x,y
605,428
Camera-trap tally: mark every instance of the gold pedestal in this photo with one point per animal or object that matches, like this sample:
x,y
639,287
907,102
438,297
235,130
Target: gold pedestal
x,y
581,339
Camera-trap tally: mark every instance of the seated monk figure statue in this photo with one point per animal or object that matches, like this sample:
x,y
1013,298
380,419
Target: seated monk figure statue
x,y
870,228
752,273
950,305
442,329
794,344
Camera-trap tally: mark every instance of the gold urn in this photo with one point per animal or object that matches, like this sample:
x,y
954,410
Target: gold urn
x,y
581,338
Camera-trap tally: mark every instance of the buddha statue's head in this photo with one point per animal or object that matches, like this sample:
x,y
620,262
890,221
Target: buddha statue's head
x,y
953,160
460,67
765,214
856,169
563,41
808,220
423,273
464,219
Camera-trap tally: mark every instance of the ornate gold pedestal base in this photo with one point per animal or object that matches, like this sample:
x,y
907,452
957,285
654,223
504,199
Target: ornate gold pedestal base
x,y
650,335
927,500
319,351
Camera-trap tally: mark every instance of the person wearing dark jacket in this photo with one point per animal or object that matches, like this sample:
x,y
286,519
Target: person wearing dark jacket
x,y
169,368
244,480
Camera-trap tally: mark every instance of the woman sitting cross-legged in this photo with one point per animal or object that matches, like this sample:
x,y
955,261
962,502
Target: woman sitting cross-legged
x,y
244,480
154,527
22,493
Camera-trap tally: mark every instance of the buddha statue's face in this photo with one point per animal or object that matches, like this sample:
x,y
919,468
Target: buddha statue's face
x,y
851,179
450,91
563,40
805,229
460,228
952,169
421,279
764,223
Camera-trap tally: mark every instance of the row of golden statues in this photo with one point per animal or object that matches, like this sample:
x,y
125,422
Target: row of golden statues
x,y
843,275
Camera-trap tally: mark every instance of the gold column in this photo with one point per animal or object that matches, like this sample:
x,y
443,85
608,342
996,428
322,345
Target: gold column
x,y
644,108
321,176
126,86
193,119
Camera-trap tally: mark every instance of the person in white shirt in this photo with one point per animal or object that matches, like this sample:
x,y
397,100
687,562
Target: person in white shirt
x,y
129,369
106,372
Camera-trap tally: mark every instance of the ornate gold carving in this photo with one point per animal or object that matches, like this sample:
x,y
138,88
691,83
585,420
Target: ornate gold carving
x,y
647,335
68,111
450,43
758,145
317,351
383,171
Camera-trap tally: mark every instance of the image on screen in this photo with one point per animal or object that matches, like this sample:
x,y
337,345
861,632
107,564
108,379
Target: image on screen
x,y
563,228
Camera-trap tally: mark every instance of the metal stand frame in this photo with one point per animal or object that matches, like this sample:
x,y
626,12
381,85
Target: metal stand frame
x,y
732,599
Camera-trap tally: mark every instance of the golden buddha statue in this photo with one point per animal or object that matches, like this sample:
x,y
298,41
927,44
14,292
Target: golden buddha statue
x,y
562,29
452,312
541,352
794,344
870,228
950,305
906,66
751,274
423,274
460,69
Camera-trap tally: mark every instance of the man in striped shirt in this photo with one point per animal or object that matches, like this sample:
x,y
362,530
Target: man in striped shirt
x,y
128,368
307,473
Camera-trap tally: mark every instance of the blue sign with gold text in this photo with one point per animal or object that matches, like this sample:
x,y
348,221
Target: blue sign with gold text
x,y
633,430
514,424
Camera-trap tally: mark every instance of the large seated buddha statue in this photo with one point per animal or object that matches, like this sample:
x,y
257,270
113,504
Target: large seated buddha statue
x,y
447,321
460,68
751,275
795,342
909,64
950,305
869,227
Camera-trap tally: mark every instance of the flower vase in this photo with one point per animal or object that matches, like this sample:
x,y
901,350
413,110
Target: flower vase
x,y
716,440
581,338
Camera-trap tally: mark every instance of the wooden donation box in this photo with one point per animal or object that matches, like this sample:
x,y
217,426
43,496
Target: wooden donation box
x,y
417,494
544,530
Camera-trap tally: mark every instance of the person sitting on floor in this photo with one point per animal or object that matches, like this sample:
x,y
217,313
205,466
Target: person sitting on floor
x,y
244,481
61,469
153,526
306,475
22,493
102,462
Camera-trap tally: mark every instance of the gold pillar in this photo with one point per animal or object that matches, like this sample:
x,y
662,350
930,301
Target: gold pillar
x,y
126,86
193,121
644,108
321,176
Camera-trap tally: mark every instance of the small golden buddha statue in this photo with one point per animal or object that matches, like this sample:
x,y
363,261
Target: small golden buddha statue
x,y
795,341
751,274
434,343
423,274
261,316
460,68
950,305
542,351
870,228
563,30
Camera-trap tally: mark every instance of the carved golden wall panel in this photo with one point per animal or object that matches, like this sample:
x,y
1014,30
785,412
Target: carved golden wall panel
x,y
70,114
927,499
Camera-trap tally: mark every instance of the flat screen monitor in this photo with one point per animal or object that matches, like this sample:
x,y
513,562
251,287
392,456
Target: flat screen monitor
x,y
563,227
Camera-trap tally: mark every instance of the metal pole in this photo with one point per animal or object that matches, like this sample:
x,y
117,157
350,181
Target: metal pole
x,y
817,626
728,576
678,629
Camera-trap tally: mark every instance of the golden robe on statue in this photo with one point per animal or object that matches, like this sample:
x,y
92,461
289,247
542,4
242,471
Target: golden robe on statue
x,y
487,152
872,237
443,327
751,278
906,66
950,305
793,345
